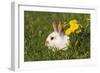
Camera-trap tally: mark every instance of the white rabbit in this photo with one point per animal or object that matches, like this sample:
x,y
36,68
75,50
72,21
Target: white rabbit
x,y
57,39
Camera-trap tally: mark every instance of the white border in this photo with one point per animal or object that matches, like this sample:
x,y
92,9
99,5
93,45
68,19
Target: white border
x,y
18,31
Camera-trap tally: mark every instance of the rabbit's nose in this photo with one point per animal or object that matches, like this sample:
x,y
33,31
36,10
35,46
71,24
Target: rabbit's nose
x,y
46,43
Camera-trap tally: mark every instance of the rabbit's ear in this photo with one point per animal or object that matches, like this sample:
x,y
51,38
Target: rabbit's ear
x,y
60,28
55,25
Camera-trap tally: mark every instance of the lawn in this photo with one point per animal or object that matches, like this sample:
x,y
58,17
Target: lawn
x,y
38,25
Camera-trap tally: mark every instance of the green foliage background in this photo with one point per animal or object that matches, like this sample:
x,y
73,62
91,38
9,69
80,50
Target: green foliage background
x,y
38,25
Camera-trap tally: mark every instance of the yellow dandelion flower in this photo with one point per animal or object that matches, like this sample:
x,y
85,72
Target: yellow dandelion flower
x,y
68,31
73,22
74,27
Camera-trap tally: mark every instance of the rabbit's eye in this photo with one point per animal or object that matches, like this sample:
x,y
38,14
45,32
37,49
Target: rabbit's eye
x,y
52,38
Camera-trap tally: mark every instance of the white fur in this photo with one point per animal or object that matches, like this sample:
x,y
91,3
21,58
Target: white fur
x,y
60,40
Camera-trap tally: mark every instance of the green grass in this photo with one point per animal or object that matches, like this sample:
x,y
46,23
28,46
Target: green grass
x,y
38,25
